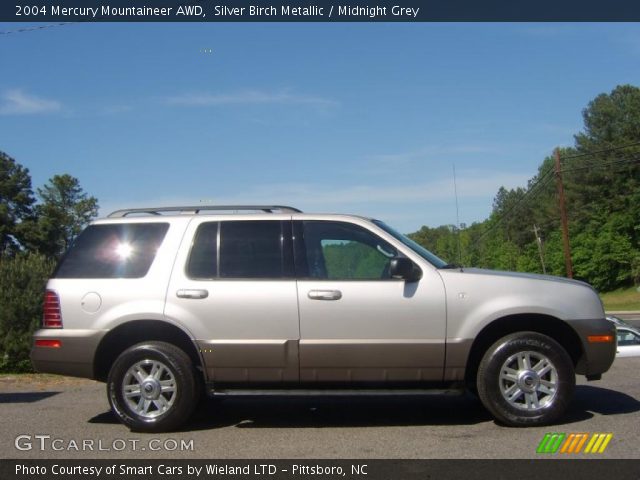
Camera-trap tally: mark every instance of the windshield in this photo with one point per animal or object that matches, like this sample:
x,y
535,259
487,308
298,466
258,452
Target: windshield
x,y
621,323
416,247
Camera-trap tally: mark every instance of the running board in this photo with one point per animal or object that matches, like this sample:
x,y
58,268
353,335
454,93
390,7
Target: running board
x,y
333,392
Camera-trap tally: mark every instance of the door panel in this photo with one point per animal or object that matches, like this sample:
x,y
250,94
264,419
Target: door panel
x,y
246,328
372,329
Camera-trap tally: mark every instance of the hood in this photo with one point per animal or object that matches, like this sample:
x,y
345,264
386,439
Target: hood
x,y
522,275
492,291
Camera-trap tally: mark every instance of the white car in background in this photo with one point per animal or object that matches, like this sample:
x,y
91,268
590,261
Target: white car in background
x,y
628,338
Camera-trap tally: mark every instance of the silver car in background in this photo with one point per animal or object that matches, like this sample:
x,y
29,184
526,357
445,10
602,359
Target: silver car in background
x,y
628,338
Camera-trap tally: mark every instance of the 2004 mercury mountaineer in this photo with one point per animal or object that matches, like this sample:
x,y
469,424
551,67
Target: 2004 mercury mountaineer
x,y
161,303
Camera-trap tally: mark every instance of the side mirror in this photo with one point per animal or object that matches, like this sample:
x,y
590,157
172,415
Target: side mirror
x,y
405,269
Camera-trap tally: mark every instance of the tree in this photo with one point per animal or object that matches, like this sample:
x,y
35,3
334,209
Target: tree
x,y
22,281
65,210
601,176
16,202
611,119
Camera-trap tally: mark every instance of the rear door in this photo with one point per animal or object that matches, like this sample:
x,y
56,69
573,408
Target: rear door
x,y
233,286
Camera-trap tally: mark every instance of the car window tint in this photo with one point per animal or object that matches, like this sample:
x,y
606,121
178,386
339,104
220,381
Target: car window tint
x,y
203,259
252,249
124,250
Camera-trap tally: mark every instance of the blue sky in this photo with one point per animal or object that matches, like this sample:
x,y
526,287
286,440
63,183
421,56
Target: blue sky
x,y
360,118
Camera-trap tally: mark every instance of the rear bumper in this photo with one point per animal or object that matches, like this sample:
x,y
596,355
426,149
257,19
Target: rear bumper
x,y
597,357
74,357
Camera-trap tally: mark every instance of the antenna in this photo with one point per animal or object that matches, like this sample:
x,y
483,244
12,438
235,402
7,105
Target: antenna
x,y
455,191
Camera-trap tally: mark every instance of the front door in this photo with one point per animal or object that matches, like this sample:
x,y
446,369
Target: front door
x,y
357,324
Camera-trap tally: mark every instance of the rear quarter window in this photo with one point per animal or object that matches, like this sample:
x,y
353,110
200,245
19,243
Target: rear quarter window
x,y
124,250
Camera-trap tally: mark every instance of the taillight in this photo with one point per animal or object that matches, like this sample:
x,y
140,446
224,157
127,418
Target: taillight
x,y
51,316
48,343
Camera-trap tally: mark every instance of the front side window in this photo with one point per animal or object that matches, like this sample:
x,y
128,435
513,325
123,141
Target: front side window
x,y
344,251
124,250
416,247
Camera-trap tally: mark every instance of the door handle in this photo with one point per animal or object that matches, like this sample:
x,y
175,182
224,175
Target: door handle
x,y
189,293
325,294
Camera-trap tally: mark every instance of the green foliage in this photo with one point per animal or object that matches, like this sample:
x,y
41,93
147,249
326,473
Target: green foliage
x,y
22,281
622,299
16,202
353,260
602,188
32,236
64,212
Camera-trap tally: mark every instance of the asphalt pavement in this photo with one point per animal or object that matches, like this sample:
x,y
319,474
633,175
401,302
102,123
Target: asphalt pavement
x,y
59,417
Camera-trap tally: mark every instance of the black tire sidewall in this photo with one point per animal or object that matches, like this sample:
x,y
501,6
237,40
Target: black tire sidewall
x,y
489,383
181,368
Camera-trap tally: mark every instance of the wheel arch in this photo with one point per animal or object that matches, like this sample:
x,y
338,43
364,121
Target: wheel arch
x,y
553,327
130,333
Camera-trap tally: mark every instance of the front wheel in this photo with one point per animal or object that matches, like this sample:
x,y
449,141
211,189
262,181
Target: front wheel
x,y
152,387
526,379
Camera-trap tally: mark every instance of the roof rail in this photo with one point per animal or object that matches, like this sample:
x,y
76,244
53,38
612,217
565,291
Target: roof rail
x,y
199,208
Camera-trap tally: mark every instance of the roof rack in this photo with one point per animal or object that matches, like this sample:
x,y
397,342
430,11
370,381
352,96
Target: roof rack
x,y
199,208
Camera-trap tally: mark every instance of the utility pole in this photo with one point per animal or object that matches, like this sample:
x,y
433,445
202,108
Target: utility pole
x,y
539,242
563,217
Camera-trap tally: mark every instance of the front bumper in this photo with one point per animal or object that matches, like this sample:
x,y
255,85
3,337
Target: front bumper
x,y
597,358
75,355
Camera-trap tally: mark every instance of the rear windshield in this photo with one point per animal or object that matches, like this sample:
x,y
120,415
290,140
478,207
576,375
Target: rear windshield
x,y
123,250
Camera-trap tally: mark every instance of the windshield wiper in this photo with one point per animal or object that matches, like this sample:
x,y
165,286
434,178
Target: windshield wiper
x,y
451,266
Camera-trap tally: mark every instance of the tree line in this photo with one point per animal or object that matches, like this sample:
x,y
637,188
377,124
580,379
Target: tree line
x,y
601,178
36,228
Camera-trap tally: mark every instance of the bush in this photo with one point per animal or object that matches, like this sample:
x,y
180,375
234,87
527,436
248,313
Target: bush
x,y
22,283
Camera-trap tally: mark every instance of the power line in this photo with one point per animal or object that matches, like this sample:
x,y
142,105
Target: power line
x,y
603,164
36,27
536,187
606,150
595,160
542,181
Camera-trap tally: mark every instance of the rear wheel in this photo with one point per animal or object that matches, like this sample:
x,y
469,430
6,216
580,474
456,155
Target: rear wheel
x,y
526,379
152,387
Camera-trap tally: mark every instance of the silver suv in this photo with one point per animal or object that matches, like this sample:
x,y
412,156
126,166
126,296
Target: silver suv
x,y
162,303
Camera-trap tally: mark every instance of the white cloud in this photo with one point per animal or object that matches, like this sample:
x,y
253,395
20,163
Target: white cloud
x,y
401,203
17,102
432,152
249,97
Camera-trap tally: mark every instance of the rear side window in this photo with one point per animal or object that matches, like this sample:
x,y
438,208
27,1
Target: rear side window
x,y
124,250
203,260
251,250
247,249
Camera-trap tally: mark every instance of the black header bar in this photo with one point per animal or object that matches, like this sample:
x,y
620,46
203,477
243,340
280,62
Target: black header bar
x,y
319,11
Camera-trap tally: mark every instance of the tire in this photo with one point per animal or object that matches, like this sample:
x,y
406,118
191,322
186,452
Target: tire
x,y
152,387
526,379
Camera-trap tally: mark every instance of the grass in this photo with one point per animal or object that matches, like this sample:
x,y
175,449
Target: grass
x,y
622,299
